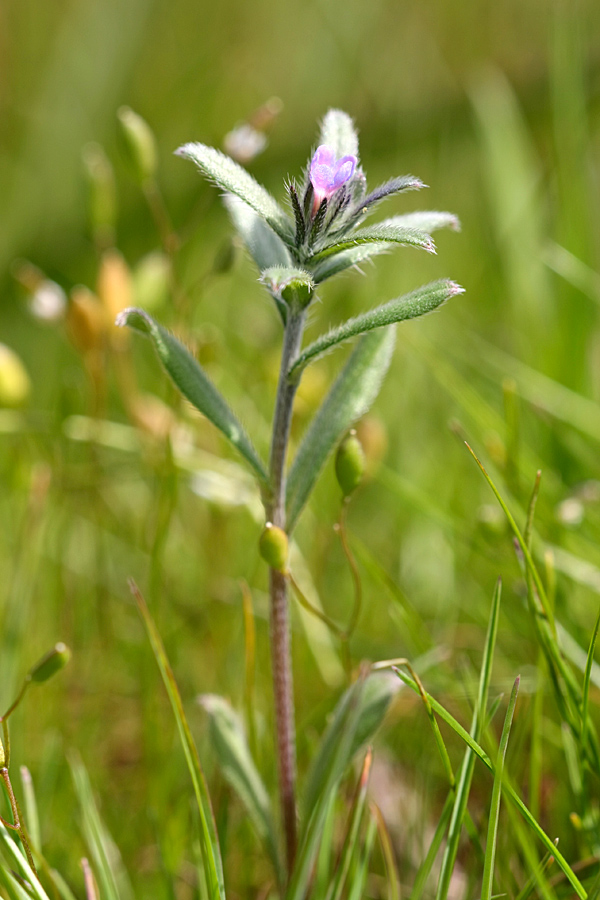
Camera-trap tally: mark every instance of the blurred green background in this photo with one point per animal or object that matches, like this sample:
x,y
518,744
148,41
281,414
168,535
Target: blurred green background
x,y
496,106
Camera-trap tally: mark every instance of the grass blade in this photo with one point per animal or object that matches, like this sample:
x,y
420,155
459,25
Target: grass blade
x,y
350,844
210,843
465,777
508,789
113,879
492,835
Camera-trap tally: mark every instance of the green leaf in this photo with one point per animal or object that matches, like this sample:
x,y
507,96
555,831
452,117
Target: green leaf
x,y
112,877
345,259
371,697
237,765
463,786
419,302
294,286
490,849
339,133
17,866
265,248
426,220
377,234
351,845
230,176
193,383
349,398
508,789
211,853
355,720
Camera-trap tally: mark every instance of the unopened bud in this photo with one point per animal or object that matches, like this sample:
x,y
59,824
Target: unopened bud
x,y
274,547
140,143
53,661
102,193
349,463
15,384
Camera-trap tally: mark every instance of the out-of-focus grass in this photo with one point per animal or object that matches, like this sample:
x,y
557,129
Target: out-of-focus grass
x,y
496,109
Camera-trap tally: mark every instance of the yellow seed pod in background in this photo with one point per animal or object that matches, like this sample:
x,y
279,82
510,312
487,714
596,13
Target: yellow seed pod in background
x,y
372,434
140,144
349,463
15,384
274,547
114,291
86,320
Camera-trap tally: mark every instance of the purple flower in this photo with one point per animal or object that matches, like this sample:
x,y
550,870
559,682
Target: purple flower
x,y
327,173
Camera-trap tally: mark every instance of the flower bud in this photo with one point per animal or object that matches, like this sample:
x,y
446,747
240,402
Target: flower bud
x,y
102,193
274,547
53,661
349,463
140,143
15,384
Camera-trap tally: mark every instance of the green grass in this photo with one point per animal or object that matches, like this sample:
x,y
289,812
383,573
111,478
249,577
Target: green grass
x,y
89,499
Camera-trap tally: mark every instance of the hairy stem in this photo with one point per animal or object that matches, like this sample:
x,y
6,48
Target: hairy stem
x,y
281,660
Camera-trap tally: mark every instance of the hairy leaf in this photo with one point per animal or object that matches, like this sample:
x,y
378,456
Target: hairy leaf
x,y
393,186
234,758
345,259
193,383
265,248
382,233
410,306
427,220
230,176
349,398
339,133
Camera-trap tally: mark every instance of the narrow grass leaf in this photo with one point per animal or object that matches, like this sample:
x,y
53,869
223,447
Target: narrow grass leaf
x,y
377,234
433,849
112,877
418,303
238,767
360,868
194,384
211,853
231,177
586,684
350,846
349,398
463,786
18,863
31,810
508,789
388,854
492,835
14,890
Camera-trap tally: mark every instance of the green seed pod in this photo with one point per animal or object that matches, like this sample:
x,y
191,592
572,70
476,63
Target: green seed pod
x,y
53,661
140,143
274,547
102,193
349,463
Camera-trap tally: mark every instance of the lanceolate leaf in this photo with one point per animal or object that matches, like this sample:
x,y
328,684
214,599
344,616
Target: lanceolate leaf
x,y
393,186
339,133
383,233
410,306
230,176
349,398
427,220
193,383
339,262
265,248
237,765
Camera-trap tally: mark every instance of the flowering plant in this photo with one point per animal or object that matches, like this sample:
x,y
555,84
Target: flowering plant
x,y
295,254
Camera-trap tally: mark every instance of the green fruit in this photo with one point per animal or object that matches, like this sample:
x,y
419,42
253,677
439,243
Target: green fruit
x,y
349,464
274,547
53,661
